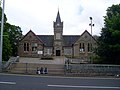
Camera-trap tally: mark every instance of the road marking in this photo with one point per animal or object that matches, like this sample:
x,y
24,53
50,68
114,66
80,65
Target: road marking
x,y
11,83
92,87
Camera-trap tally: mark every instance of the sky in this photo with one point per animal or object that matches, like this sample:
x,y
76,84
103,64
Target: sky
x,y
38,15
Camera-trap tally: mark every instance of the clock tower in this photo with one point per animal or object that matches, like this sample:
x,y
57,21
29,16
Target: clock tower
x,y
58,36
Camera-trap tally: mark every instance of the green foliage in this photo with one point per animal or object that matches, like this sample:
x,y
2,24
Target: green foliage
x,y
15,34
95,59
11,36
7,49
5,18
109,41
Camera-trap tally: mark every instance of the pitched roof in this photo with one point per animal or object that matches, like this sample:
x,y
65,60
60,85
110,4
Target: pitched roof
x,y
47,39
89,34
68,40
33,34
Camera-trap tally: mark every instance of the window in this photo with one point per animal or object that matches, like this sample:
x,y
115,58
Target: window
x,y
26,46
34,46
58,36
82,47
89,47
48,51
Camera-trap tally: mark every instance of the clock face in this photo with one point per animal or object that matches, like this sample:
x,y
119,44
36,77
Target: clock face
x,y
58,24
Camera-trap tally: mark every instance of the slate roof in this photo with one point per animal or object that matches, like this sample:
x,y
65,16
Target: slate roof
x,y
48,40
68,40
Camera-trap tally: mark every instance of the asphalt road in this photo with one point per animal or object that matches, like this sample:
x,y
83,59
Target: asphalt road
x,y
25,82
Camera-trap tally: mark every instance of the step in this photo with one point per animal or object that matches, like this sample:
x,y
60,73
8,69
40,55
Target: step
x,y
29,65
32,68
33,71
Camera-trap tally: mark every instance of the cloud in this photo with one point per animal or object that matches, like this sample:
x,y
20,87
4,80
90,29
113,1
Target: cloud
x,y
39,15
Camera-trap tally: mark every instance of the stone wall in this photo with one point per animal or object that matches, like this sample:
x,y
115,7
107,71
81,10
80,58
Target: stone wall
x,y
33,45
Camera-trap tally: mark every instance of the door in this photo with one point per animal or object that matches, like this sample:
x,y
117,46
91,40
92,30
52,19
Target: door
x,y
57,52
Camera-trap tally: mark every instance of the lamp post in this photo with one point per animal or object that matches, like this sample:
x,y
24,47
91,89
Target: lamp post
x,y
91,25
1,36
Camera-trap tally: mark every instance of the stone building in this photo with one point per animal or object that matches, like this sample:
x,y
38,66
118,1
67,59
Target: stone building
x,y
74,46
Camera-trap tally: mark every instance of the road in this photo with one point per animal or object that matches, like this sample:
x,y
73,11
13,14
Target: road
x,y
34,82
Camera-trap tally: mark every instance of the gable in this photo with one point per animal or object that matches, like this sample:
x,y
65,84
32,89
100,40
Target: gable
x,y
30,36
48,40
86,37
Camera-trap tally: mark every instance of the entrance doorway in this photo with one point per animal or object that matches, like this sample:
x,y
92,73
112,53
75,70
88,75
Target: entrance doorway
x,y
57,52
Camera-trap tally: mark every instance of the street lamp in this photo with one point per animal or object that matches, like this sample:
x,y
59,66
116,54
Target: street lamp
x,y
91,24
1,36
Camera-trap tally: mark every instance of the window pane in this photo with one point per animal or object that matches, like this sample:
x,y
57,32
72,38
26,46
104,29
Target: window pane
x,y
27,46
24,46
34,46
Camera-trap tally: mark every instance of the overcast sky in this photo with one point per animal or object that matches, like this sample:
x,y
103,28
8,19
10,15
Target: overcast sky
x,y
38,15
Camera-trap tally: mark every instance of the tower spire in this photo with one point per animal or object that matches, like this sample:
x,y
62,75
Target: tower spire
x,y
58,19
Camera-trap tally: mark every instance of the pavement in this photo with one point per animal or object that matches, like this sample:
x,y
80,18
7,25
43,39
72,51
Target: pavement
x,y
56,60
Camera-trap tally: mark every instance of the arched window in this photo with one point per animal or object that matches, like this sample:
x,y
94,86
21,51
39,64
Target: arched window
x,y
91,47
82,47
26,46
34,46
88,47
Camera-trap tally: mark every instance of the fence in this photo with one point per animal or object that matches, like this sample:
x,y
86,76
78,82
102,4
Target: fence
x,y
93,69
72,69
10,61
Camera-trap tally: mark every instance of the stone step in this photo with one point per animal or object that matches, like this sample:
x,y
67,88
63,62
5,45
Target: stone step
x,y
29,65
32,68
32,71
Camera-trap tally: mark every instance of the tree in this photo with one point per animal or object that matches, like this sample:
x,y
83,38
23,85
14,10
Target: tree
x,y
11,36
109,41
15,34
7,48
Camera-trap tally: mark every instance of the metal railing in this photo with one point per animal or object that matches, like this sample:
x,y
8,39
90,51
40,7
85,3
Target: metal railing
x,y
10,61
93,68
